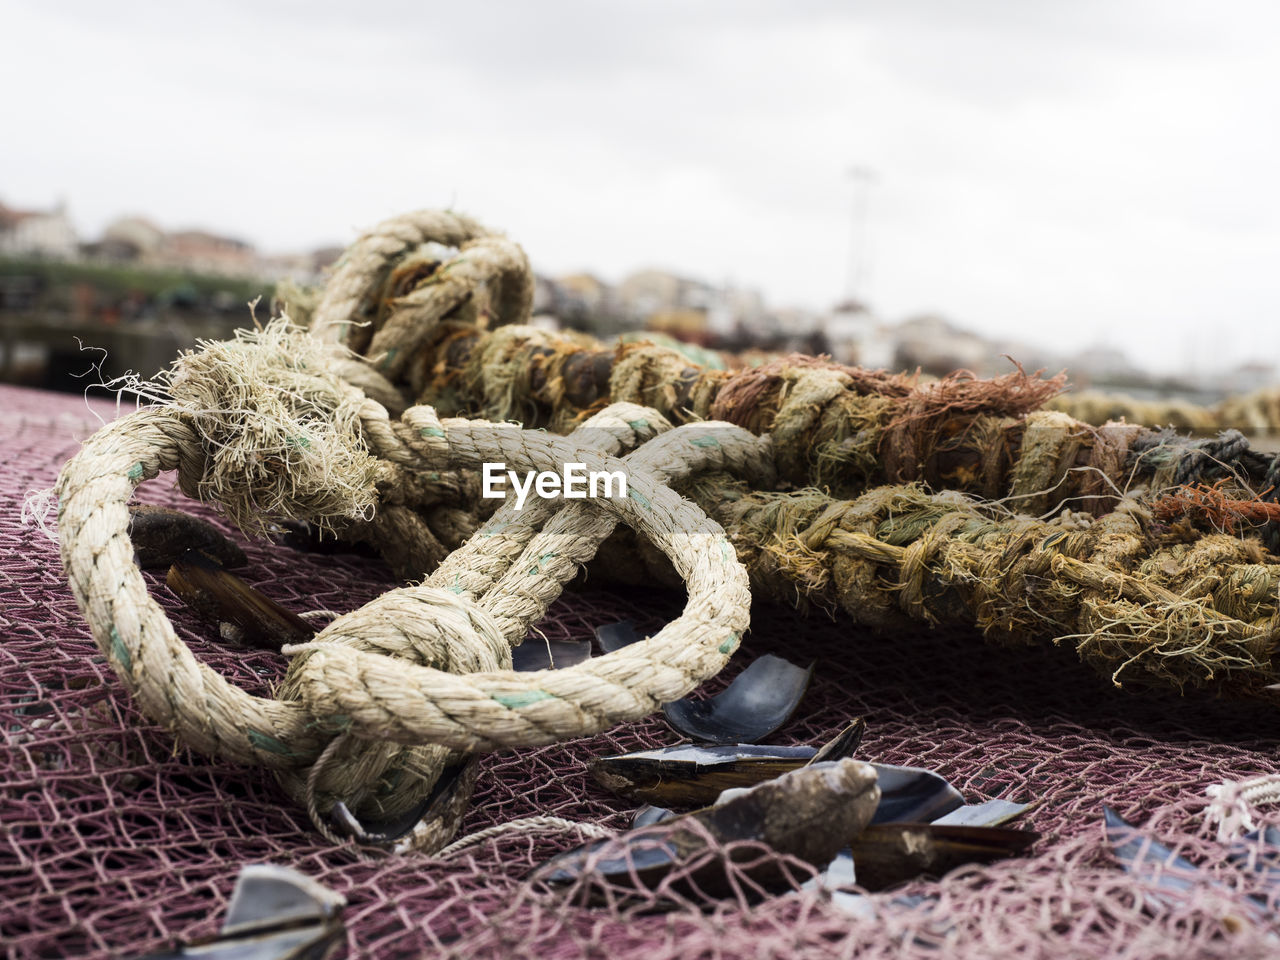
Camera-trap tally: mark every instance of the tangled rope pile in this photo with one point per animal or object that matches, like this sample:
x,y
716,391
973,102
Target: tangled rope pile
x,y
332,428
1142,597
371,710
1201,613
838,428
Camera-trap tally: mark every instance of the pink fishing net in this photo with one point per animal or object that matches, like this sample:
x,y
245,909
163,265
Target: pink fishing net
x,y
114,842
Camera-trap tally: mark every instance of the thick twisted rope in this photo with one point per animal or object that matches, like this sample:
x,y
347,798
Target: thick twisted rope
x,y
343,684
1137,601
1198,613
490,274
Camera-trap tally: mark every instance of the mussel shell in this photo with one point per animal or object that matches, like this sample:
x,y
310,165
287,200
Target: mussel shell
x,y
648,815
162,535
1146,858
649,857
446,803
275,913
221,597
1158,869
1259,851
887,854
913,795
991,813
758,701
843,744
615,636
694,776
808,813
538,654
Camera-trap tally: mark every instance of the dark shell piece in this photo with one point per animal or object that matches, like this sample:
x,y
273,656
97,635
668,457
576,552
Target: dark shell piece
x,y
809,813
693,776
1147,859
843,744
615,636
1259,851
992,813
1160,869
538,654
309,538
651,859
759,701
275,913
913,795
162,535
447,802
648,815
887,854
223,598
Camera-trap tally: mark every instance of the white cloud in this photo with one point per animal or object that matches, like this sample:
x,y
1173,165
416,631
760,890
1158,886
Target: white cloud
x,y
1100,169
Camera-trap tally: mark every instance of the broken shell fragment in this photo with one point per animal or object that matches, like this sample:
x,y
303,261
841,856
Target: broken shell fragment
x,y
539,654
223,598
615,636
162,535
692,776
275,913
843,744
440,812
914,795
648,815
757,702
808,813
991,813
887,854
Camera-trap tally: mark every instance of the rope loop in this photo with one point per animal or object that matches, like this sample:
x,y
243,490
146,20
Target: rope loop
x,y
387,696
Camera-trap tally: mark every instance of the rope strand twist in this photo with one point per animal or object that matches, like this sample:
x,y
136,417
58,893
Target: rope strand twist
x,y
390,693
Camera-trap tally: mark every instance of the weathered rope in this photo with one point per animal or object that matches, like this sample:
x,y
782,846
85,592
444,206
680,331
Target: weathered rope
x,y
840,429
1233,804
463,618
397,262
526,825
832,426
835,427
1199,612
275,424
1253,414
1138,608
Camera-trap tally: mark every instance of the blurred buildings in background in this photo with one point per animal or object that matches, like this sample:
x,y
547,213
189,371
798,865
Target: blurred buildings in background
x,y
730,317
141,290
76,310
137,241
45,233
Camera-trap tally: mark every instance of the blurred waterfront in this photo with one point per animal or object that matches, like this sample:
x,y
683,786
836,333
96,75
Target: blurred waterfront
x,y
76,311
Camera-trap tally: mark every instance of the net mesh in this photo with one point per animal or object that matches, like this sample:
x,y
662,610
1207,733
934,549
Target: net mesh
x,y
112,841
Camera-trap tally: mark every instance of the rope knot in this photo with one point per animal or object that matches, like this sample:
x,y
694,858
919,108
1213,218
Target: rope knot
x,y
428,626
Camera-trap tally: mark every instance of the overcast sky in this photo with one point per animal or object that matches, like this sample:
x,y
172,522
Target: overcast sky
x,y
1072,171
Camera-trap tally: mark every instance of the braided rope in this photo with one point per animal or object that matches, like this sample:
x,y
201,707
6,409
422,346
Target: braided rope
x,y
421,666
485,259
1233,804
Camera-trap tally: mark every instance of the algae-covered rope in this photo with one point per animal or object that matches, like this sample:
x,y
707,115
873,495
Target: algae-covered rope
x,y
839,427
446,330
850,430
1197,613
